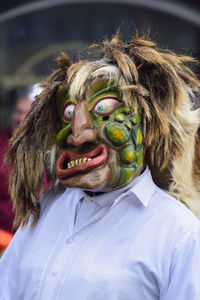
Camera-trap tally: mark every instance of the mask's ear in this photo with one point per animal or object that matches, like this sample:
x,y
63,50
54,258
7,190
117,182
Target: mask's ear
x,y
33,150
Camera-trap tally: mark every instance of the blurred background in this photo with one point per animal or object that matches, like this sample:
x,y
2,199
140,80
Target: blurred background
x,y
33,33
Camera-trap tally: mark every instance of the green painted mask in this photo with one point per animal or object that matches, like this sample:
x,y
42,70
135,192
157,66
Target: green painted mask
x,y
101,141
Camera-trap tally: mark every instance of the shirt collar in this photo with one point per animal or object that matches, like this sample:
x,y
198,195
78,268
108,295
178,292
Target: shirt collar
x,y
107,199
143,187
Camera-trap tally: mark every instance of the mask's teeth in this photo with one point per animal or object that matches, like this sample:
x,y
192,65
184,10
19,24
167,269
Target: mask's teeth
x,y
77,161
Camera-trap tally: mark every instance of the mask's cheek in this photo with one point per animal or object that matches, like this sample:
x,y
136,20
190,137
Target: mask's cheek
x,y
62,135
126,141
114,167
113,140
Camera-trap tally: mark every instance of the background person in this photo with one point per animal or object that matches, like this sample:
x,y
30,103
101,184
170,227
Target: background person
x,y
24,99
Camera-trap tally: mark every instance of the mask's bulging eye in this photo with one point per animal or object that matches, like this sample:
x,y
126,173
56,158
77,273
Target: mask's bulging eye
x,y
106,106
68,111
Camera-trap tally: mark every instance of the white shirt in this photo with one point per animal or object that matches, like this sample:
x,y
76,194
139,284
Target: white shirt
x,y
89,206
145,246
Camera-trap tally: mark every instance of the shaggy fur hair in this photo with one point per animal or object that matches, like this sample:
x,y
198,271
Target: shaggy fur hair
x,y
159,81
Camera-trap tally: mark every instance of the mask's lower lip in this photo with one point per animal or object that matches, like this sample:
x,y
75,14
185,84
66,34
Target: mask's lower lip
x,y
96,158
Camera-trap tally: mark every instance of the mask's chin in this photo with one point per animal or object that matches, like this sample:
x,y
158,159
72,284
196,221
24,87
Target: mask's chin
x,y
94,180
101,179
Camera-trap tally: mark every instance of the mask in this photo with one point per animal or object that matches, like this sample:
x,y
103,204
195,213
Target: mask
x,y
101,141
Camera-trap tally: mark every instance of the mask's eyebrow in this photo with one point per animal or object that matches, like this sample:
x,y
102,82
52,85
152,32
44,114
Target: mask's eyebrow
x,y
102,86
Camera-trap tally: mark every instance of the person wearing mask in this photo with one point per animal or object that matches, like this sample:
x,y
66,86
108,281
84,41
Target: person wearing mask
x,y
106,230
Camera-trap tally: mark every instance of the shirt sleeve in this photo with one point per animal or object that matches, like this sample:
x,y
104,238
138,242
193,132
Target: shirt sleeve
x,y
9,268
184,278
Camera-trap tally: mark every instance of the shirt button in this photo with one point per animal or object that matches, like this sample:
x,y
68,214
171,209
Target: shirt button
x,y
54,273
69,240
87,199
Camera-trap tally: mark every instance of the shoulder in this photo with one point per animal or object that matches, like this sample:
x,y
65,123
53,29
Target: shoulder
x,y
164,209
48,202
174,213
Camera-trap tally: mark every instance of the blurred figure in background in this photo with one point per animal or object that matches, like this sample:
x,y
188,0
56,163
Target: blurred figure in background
x,y
23,103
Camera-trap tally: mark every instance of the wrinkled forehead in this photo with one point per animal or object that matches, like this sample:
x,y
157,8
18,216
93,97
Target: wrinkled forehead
x,y
90,75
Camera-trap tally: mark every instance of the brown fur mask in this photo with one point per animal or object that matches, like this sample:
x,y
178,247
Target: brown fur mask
x,y
159,81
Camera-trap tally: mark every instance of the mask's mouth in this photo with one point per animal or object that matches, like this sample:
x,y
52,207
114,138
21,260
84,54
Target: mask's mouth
x,y
69,164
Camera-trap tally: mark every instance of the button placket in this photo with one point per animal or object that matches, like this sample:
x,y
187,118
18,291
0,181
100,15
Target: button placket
x,y
75,251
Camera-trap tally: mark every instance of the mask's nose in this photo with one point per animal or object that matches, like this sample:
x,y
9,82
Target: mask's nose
x,y
82,129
